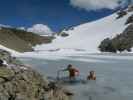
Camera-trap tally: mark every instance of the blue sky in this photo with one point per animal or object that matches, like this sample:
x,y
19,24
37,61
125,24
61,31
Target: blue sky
x,y
57,14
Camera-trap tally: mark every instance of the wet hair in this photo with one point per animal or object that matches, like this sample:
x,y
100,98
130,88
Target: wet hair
x,y
70,65
92,76
92,72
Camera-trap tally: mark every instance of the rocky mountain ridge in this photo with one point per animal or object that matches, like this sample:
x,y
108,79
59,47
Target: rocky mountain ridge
x,y
20,40
123,41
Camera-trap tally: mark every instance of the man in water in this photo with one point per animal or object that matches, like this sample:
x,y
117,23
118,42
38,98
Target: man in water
x,y
73,72
91,76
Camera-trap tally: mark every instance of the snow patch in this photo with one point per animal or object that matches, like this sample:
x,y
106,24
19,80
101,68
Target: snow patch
x,y
88,36
6,26
13,52
21,28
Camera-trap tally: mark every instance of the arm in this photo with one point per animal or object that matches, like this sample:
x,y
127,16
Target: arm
x,y
64,70
94,77
58,73
77,71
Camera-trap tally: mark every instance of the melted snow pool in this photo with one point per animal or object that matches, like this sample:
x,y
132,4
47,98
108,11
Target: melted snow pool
x,y
114,75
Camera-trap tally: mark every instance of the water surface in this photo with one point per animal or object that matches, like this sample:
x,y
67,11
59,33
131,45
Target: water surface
x,y
114,75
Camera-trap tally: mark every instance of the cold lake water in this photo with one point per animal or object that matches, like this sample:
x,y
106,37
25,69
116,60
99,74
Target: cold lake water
x,y
114,74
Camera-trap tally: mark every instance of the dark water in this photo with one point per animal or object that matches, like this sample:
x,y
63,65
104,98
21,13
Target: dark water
x,y
114,75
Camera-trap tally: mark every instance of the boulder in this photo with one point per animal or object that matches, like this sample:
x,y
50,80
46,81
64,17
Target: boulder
x,y
129,20
19,82
63,34
130,8
121,13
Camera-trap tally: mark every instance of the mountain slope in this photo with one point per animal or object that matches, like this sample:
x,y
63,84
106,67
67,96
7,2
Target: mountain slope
x,y
88,36
20,40
120,43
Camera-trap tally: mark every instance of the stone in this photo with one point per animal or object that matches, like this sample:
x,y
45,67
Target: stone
x,y
129,20
19,82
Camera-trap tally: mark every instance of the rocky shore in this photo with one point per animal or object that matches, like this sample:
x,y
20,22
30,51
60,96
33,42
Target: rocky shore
x,y
20,82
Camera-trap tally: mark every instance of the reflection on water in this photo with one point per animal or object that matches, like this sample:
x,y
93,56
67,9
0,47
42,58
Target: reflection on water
x,y
114,78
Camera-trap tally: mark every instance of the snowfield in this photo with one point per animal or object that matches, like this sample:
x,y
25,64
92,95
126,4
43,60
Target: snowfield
x,y
88,36
82,39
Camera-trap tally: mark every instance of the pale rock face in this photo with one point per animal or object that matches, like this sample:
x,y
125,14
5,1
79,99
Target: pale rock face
x,y
21,28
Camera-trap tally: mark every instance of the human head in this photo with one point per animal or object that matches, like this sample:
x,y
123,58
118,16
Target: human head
x,y
69,66
92,73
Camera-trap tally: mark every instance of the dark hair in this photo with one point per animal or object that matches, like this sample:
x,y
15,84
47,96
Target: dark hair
x,y
92,72
70,65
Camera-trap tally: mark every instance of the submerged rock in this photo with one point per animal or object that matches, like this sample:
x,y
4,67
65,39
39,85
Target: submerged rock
x,y
19,82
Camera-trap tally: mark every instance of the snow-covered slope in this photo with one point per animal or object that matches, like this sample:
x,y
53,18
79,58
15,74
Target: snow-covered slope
x,y
88,36
13,52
